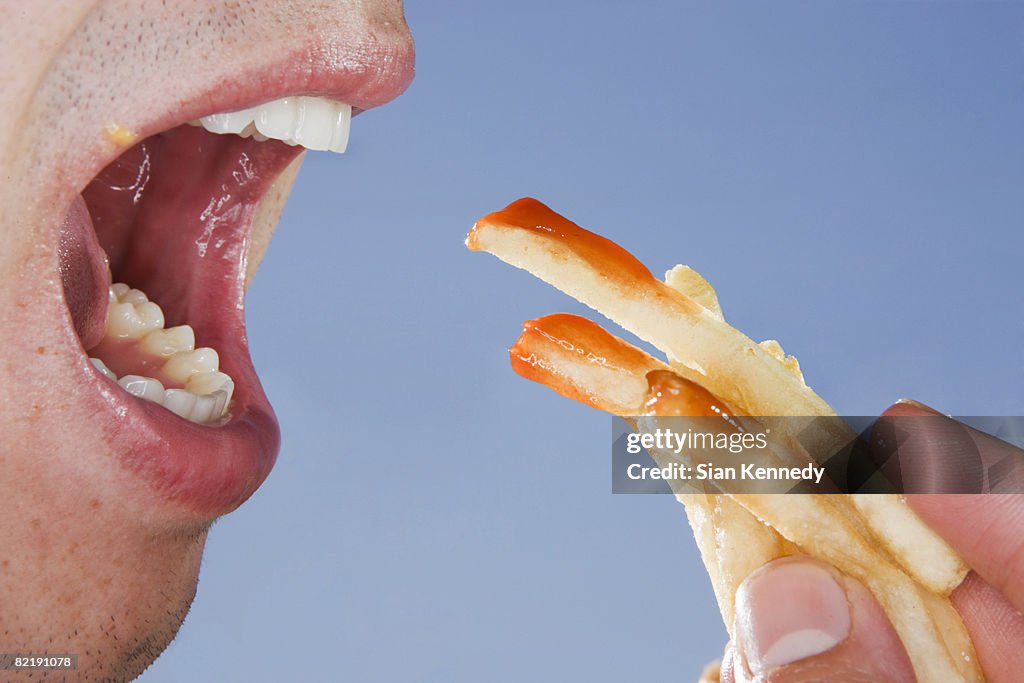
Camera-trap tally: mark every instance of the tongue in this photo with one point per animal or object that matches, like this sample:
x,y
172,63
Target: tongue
x,y
84,273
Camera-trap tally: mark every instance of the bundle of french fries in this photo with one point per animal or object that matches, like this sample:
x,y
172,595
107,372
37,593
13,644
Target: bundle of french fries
x,y
711,369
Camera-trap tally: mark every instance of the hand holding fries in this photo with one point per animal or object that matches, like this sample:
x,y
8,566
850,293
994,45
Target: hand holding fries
x,y
712,367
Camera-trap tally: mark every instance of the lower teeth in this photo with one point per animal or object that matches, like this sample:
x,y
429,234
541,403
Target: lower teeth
x,y
160,365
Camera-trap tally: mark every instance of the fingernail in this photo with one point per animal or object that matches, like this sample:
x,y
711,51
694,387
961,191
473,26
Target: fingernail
x,y
913,405
789,610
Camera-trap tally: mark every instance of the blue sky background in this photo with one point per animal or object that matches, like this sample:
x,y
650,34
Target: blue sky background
x,y
847,175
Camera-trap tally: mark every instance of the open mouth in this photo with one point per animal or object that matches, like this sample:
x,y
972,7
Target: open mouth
x,y
153,261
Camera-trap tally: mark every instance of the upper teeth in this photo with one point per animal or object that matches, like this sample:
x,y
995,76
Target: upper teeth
x,y
313,122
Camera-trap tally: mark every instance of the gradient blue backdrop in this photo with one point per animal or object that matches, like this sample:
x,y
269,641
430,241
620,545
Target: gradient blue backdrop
x,y
848,175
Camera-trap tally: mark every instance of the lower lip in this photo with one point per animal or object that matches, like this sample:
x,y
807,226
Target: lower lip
x,y
210,470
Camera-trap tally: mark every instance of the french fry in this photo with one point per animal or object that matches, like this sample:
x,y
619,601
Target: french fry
x,y
756,378
918,549
931,560
742,544
738,533
822,526
876,539
580,360
606,277
712,673
690,283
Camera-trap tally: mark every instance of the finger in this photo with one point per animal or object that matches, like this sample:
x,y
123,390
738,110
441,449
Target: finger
x,y
987,530
799,620
937,454
996,627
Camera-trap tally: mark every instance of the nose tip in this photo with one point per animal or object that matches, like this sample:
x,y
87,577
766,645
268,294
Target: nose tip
x,y
401,40
404,60
386,25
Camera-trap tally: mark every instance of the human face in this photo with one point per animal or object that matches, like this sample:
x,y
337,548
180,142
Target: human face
x,y
107,496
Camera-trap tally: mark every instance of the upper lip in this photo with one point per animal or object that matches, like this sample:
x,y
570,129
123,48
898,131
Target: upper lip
x,y
385,74
375,74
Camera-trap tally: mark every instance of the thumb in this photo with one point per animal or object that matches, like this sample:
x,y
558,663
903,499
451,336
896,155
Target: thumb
x,y
800,620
